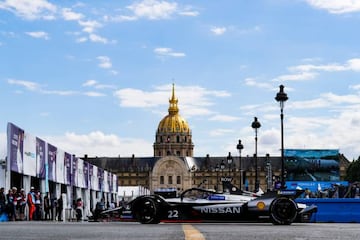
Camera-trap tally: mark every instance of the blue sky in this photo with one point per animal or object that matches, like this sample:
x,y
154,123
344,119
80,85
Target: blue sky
x,y
95,77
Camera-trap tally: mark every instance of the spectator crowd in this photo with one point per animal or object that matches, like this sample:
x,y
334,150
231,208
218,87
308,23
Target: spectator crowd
x,y
17,205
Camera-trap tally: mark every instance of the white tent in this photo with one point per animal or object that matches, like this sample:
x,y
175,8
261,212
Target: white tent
x,y
130,192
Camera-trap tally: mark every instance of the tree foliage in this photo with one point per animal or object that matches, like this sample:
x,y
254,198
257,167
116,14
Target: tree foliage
x,y
353,171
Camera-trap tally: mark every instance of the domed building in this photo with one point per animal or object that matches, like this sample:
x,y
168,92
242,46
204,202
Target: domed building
x,y
173,143
173,135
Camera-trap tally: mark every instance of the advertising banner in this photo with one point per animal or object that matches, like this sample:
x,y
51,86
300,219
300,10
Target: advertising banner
x,y
312,164
60,165
95,179
86,174
32,156
106,182
80,173
15,138
100,175
52,150
67,170
29,156
110,178
114,184
40,158
91,173
74,175
314,186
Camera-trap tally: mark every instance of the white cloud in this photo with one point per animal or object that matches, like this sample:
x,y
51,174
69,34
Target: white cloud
x,y
153,9
336,6
310,71
223,118
89,83
120,18
69,15
81,39
32,86
296,77
96,38
189,13
130,97
353,64
90,26
96,85
35,87
43,35
327,100
105,62
220,132
194,100
355,87
30,9
168,52
218,30
60,92
108,144
94,94
350,65
252,82
326,68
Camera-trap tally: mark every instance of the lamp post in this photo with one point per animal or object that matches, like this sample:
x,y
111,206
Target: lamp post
x,y
239,147
256,125
281,97
229,159
222,167
207,161
217,176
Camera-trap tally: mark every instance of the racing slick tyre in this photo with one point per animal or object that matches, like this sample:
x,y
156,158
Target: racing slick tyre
x,y
146,211
283,211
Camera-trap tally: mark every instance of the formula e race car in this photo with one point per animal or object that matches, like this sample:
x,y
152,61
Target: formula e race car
x,y
202,205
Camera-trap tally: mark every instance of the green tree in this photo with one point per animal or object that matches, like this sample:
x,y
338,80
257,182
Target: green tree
x,y
353,171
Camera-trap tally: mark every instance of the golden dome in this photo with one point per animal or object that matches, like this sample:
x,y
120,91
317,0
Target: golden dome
x,y
173,122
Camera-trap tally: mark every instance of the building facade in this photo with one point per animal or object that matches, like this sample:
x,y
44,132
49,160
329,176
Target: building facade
x,y
174,168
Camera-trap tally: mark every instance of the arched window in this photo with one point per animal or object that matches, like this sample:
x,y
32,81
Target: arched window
x,y
168,153
177,139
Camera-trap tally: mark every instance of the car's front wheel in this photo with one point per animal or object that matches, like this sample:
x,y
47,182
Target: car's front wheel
x,y
145,211
283,211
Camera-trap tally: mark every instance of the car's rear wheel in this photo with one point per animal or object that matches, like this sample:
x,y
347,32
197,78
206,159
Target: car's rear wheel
x,y
283,211
146,211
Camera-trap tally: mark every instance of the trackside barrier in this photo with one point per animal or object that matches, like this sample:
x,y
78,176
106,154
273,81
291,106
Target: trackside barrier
x,y
337,210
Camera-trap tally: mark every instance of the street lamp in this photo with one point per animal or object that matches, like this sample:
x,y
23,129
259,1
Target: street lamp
x,y
239,146
229,161
222,167
256,125
217,176
281,97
